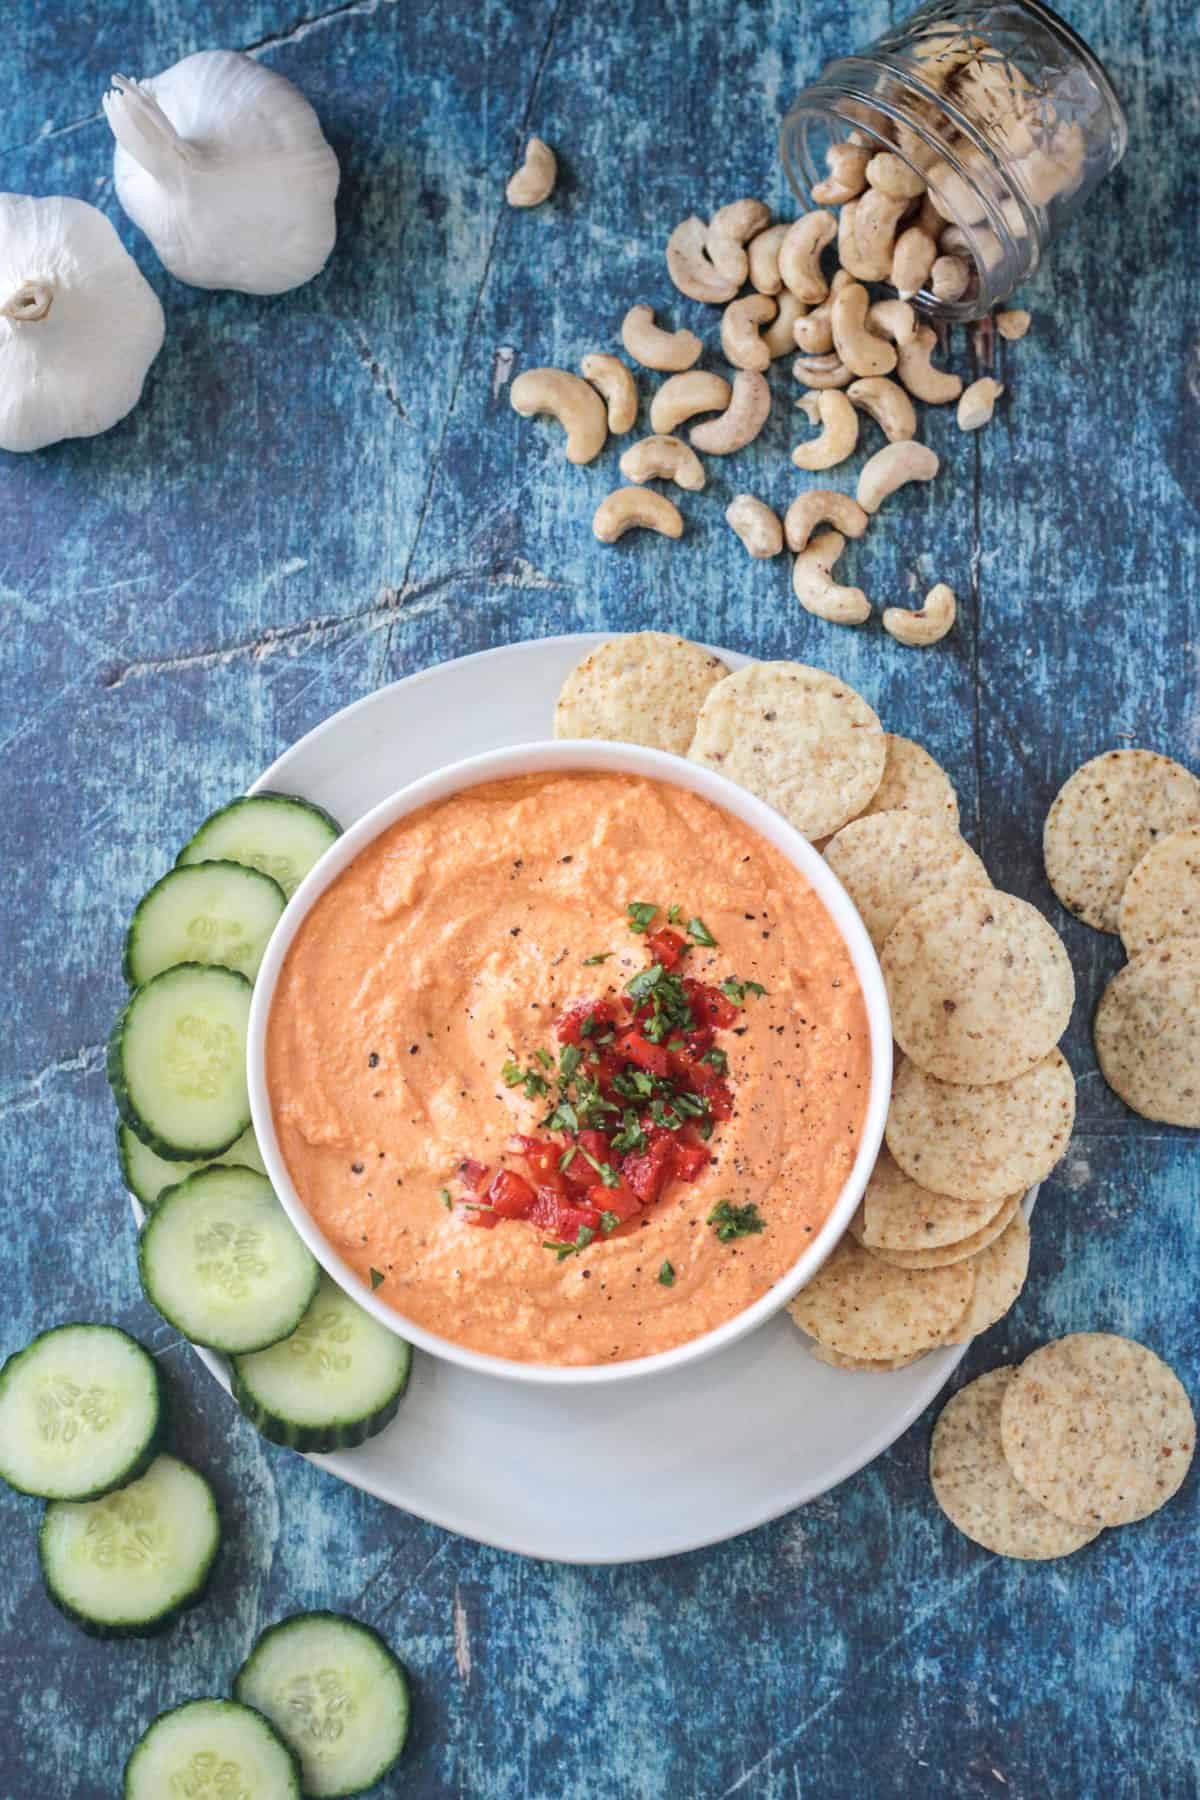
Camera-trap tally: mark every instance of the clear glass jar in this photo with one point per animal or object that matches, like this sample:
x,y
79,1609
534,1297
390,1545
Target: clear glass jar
x,y
1005,113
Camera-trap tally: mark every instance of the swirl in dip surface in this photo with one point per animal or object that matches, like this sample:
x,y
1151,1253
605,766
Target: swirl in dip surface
x,y
450,947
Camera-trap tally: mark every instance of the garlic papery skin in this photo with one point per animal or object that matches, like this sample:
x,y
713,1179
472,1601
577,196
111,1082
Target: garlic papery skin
x,y
224,166
79,323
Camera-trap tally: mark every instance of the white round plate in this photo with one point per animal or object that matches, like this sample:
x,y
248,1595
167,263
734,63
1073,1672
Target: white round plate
x,y
591,1475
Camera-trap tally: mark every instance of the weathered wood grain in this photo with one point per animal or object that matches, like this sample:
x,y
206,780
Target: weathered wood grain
x,y
327,490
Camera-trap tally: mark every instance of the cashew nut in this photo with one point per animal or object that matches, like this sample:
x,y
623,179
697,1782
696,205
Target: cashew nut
x,y
689,267
828,371
1013,325
728,230
610,376
568,398
950,278
800,256
630,508
912,259
978,402
956,198
839,434
740,325
935,386
763,254
815,589
891,175
847,177
893,319
953,241
814,334
848,251
809,510
862,352
780,337
683,396
655,348
534,181
932,622
742,419
888,405
754,522
663,459
891,468
876,218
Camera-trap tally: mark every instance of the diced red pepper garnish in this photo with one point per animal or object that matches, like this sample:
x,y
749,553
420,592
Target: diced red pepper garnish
x,y
482,1215
688,1159
646,1170
570,1028
571,1218
473,1174
620,1200
541,1156
709,1005
667,948
510,1195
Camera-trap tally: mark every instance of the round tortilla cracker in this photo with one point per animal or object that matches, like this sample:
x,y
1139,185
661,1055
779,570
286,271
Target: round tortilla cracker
x,y
1161,899
889,861
980,985
800,739
982,1143
1098,1429
975,1488
858,1306
896,1214
1147,1032
884,1366
913,782
1103,821
967,1248
1000,1273
646,688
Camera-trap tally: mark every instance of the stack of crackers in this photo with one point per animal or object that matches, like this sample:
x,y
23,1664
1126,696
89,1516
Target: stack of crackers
x,y
1090,1431
1122,849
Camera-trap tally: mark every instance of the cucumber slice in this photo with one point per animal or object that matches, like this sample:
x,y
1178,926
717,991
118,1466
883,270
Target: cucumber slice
x,y
334,1383
223,1263
177,1062
127,1565
278,833
81,1411
211,1750
146,1175
336,1695
209,912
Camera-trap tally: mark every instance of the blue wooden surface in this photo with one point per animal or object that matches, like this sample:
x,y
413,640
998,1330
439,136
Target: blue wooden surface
x,y
326,491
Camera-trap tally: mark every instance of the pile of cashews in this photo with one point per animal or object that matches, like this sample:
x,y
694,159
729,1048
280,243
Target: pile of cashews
x,y
857,355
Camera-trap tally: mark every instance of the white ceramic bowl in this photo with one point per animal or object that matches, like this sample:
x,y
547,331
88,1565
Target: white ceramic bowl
x,y
626,759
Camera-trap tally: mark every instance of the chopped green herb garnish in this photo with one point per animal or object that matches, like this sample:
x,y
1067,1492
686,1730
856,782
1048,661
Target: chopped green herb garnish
x,y
376,1278
673,914
563,1118
631,1136
667,1275
735,1221
602,956
535,1085
568,1157
641,913
604,1170
716,1059
511,1074
698,930
737,990
444,1194
586,1234
643,984
608,1222
572,1056
545,1058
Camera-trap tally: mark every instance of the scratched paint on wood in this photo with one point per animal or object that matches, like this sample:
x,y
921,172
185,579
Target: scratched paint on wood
x,y
329,490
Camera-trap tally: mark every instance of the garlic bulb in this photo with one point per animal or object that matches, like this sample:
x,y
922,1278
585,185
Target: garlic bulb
x,y
225,167
79,323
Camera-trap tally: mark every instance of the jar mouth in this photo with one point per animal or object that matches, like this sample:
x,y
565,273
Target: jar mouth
x,y
841,100
1092,62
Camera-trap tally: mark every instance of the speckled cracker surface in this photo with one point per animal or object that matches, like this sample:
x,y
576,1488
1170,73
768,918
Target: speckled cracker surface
x,y
860,1307
965,1249
1161,899
1098,1429
896,1214
975,1488
980,985
889,861
646,688
1000,1272
798,738
1147,1031
884,1366
913,782
1103,821
982,1142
